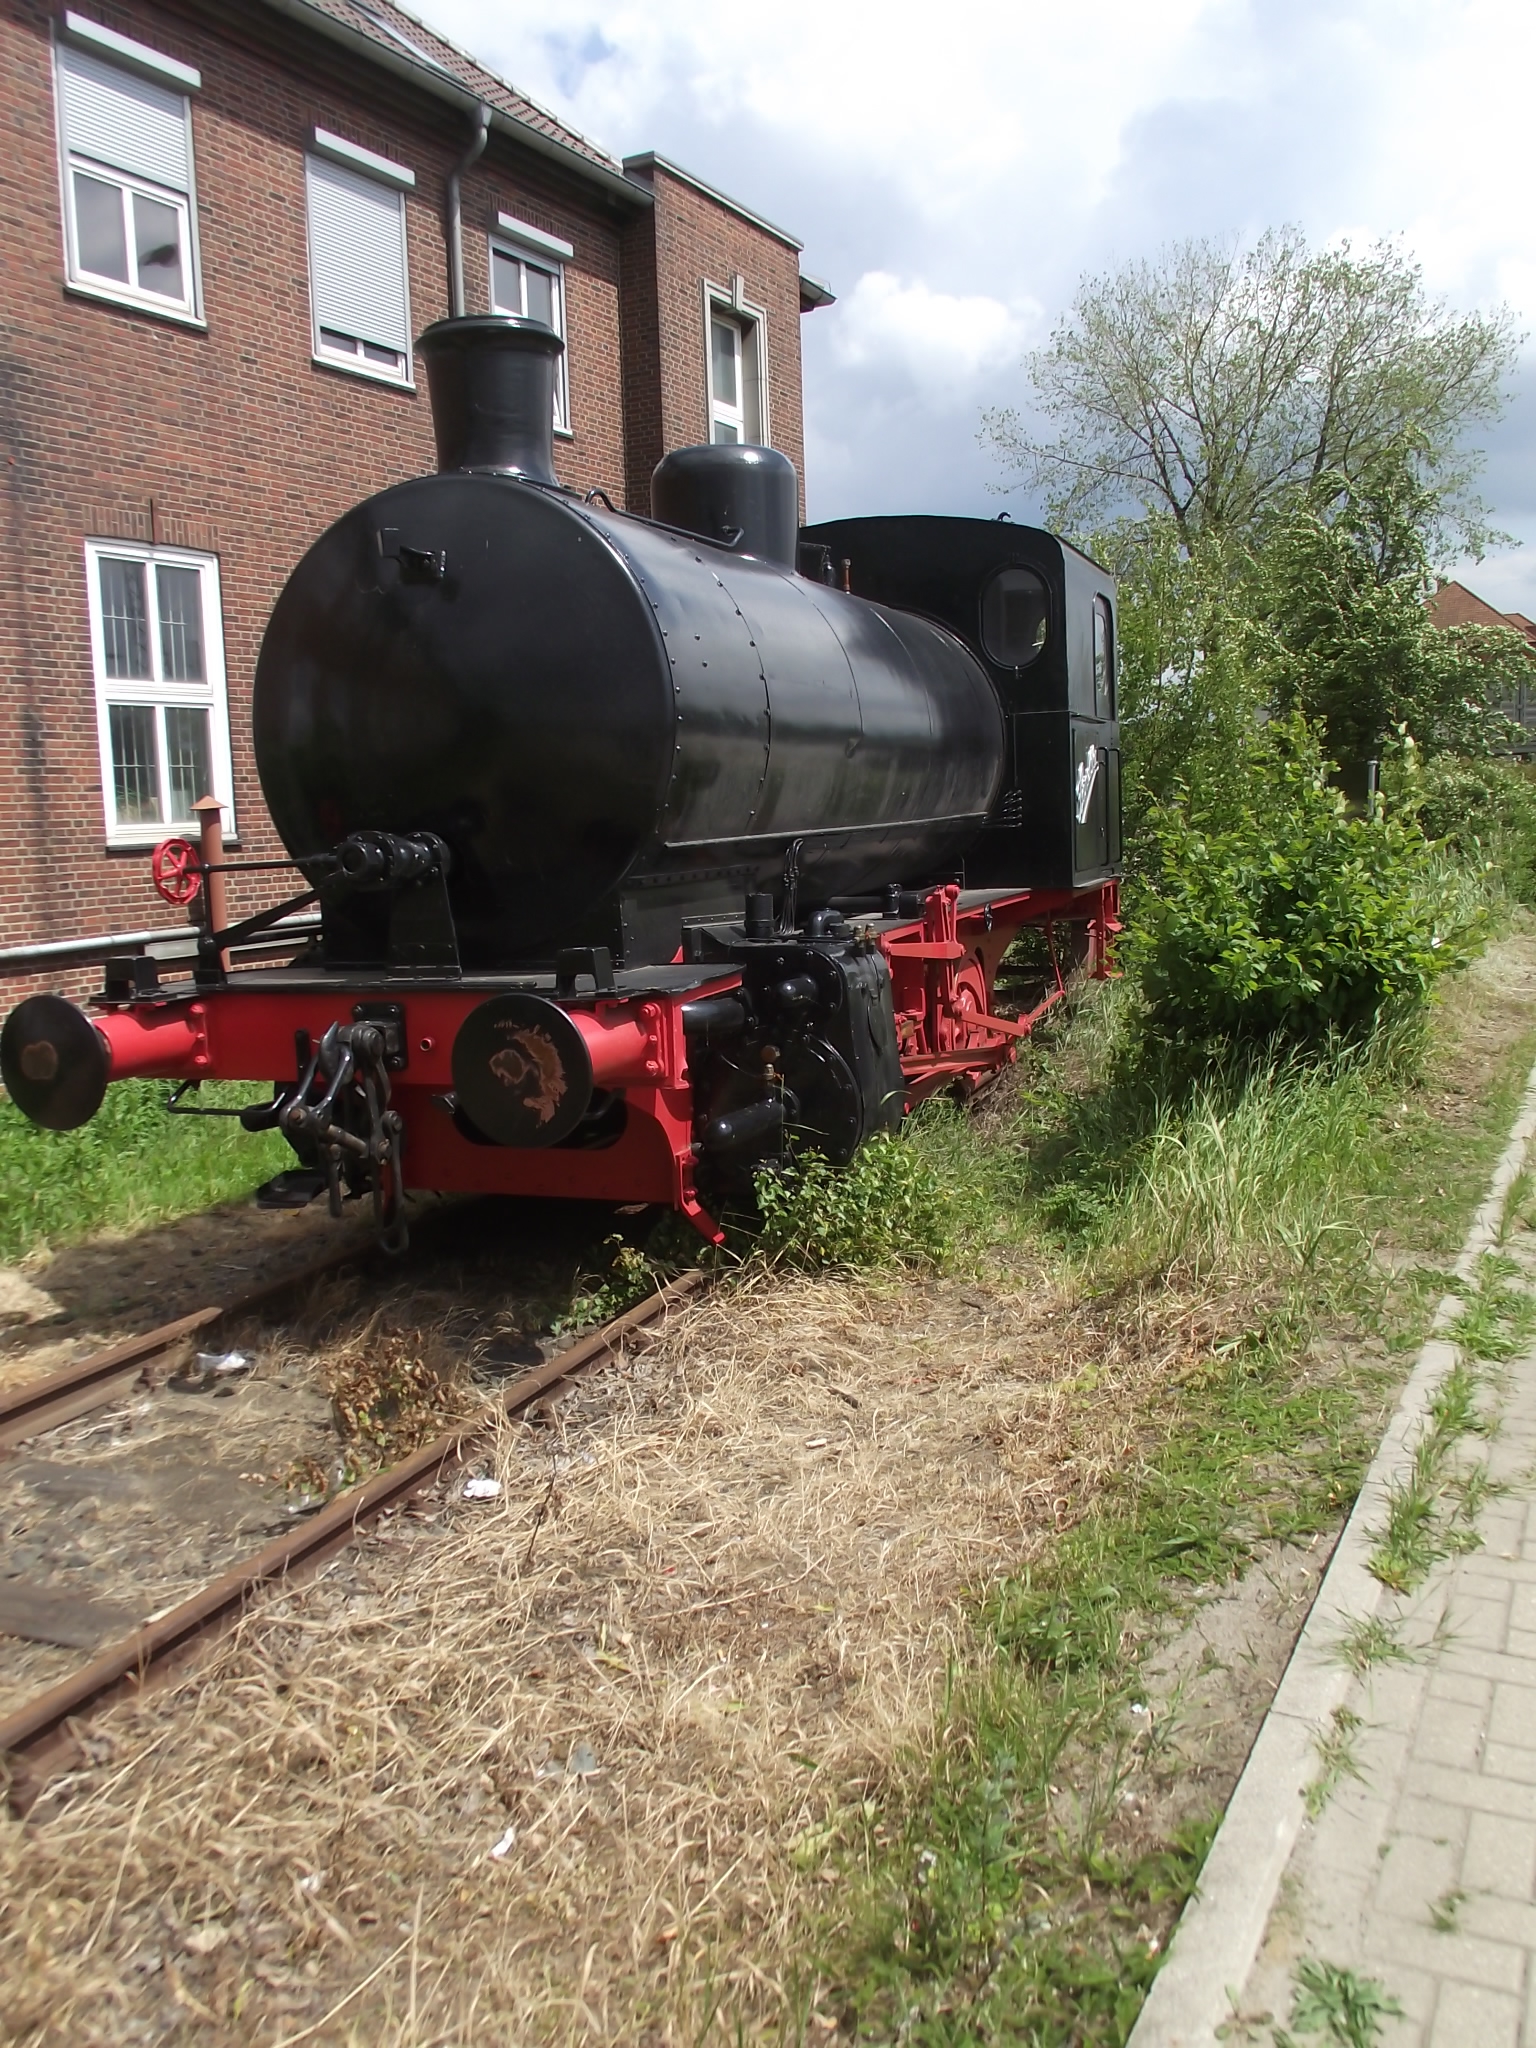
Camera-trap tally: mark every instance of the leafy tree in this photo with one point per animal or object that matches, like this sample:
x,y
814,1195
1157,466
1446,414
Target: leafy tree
x,y
1188,695
1216,383
1335,594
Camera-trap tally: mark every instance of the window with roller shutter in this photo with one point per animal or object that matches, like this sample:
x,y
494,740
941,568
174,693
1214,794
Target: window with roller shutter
x,y
359,283
126,157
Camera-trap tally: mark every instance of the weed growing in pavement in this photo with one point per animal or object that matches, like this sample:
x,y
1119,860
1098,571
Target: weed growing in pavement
x,y
1344,2009
1337,1760
1369,1641
1445,1912
1432,1510
130,1166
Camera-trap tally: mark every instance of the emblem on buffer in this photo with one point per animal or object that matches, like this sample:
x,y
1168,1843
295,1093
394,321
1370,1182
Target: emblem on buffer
x,y
529,1056
522,1074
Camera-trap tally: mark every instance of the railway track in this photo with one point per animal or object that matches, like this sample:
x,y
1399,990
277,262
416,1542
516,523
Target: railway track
x,y
105,1376
39,1739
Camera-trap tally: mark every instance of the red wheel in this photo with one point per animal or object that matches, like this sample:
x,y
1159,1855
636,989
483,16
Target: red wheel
x,y
177,870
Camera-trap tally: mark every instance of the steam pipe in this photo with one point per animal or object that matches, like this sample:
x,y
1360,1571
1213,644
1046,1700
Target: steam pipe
x,y
471,156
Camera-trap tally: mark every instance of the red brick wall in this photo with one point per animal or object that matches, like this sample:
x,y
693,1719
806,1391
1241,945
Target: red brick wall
x,y
119,424
694,239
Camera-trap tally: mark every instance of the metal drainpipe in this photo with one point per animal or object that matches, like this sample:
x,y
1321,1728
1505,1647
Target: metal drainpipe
x,y
456,215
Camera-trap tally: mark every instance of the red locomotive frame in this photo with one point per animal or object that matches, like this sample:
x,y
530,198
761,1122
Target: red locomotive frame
x,y
943,966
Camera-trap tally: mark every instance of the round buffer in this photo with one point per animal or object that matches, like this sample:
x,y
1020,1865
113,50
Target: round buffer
x,y
54,1062
521,1071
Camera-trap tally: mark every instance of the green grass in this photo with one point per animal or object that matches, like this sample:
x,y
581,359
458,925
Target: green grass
x,y
990,1893
130,1166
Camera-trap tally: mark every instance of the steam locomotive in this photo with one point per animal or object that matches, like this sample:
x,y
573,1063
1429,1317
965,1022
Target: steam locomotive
x,y
643,849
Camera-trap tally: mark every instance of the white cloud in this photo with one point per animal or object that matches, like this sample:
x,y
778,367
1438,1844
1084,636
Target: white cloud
x,y
955,170
941,341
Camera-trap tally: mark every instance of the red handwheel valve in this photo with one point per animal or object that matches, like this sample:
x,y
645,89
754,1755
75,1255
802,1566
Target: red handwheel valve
x,y
177,870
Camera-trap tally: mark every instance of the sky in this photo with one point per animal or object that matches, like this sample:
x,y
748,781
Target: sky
x,y
955,170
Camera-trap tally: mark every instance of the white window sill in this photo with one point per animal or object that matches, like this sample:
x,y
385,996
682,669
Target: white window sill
x,y
127,302
565,433
131,842
364,370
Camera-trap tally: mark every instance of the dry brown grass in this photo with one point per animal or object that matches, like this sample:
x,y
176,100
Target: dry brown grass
x,y
712,1606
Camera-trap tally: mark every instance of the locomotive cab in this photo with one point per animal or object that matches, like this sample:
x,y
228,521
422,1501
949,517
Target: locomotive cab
x,y
1040,619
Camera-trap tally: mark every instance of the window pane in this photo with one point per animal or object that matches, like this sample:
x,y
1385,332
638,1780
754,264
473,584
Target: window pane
x,y
99,235
135,767
386,358
124,623
1013,617
726,343
506,283
181,624
187,757
157,245
342,343
724,431
541,294
1103,660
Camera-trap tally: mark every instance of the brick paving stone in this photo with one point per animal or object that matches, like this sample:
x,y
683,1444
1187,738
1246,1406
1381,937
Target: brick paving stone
x,y
1472,2016
1416,1871
1512,1717
1500,1856
1467,1691
1464,1958
1484,1791
1507,1760
1449,1733
1482,1623
1436,1818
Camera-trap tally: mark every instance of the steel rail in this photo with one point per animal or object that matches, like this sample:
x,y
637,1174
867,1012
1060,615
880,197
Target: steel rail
x,y
75,1389
37,1736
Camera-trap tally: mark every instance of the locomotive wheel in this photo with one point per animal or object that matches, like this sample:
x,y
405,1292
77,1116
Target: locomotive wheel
x,y
176,869
971,1001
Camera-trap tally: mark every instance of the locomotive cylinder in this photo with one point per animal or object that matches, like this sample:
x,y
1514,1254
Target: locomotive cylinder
x,y
591,709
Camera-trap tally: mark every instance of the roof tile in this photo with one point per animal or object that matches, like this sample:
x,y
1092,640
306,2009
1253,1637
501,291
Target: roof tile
x,y
393,29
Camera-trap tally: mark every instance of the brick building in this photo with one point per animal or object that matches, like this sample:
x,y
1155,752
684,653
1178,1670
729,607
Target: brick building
x,y
1452,604
224,222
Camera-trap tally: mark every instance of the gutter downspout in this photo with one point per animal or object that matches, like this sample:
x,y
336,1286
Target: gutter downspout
x,y
455,211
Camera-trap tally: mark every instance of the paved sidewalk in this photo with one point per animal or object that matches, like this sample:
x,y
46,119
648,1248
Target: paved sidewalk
x,y
1421,1873
1417,1868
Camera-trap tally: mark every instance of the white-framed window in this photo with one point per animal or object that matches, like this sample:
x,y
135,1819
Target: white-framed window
x,y
125,156
735,357
527,271
157,654
359,279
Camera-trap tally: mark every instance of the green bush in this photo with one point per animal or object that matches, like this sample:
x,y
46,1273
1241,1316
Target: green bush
x,y
1483,811
1278,917
887,1208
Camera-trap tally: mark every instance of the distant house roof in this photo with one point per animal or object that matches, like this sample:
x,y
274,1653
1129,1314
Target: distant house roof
x,y
1454,605
387,34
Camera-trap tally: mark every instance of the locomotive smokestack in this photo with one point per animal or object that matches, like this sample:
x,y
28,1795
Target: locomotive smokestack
x,y
492,380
